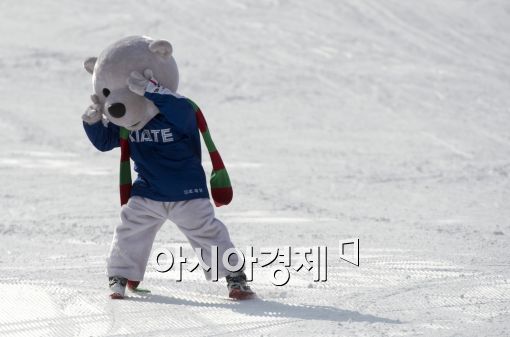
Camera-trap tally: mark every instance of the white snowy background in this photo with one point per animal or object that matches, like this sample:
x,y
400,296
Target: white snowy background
x,y
384,120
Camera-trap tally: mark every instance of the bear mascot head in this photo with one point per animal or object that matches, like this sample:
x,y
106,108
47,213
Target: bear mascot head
x,y
110,72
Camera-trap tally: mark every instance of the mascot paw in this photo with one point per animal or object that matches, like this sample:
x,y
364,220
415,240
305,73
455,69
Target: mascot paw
x,y
94,112
139,83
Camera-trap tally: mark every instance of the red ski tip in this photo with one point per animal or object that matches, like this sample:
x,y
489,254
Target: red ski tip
x,y
238,294
116,296
132,284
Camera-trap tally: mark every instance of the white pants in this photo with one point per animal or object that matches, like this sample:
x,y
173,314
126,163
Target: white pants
x,y
141,218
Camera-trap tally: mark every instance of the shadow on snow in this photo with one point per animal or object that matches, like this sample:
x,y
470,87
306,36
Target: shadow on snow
x,y
260,307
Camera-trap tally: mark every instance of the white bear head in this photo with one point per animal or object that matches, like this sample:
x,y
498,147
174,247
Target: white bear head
x,y
110,72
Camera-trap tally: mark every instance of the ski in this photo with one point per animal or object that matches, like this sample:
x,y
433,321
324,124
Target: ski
x,y
239,294
133,287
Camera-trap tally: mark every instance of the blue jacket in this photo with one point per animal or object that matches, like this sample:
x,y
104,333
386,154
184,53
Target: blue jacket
x,y
166,152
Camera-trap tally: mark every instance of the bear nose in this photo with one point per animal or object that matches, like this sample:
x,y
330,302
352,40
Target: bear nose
x,y
117,110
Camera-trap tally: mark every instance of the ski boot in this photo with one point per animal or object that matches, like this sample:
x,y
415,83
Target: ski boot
x,y
238,288
117,287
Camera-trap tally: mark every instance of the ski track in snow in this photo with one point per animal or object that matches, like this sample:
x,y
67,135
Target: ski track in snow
x,y
386,121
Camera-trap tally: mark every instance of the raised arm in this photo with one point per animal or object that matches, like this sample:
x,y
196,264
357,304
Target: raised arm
x,y
176,108
103,137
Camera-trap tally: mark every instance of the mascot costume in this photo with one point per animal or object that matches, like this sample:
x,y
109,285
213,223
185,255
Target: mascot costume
x,y
135,106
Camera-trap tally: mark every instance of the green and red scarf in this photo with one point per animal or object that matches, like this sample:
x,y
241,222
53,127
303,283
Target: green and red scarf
x,y
221,189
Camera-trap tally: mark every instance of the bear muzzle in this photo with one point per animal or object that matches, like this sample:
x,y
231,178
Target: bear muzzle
x,y
117,110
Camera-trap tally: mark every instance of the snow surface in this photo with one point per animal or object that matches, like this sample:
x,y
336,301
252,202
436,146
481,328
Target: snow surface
x,y
383,120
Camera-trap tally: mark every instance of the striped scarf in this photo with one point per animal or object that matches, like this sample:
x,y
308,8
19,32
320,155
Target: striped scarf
x,y
221,189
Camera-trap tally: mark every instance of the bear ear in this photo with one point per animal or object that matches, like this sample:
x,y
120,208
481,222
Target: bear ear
x,y
161,47
89,64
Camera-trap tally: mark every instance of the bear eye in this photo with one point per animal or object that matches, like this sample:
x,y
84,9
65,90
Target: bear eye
x,y
106,92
